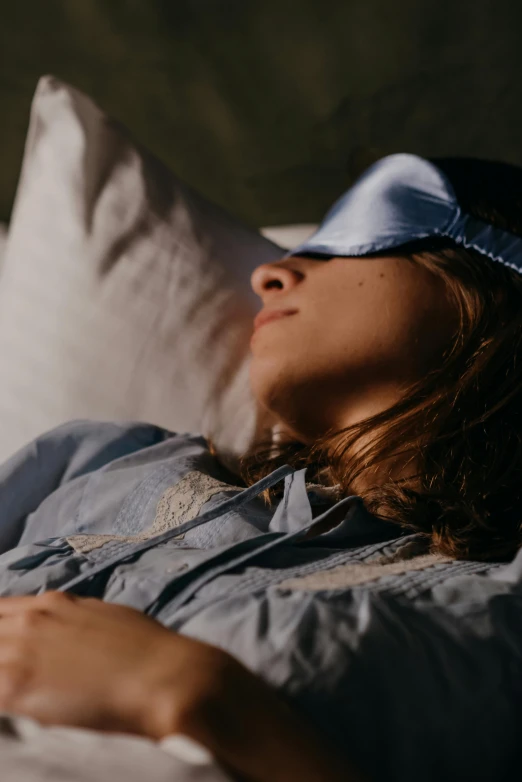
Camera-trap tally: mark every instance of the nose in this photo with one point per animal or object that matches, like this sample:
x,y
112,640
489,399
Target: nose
x,y
274,276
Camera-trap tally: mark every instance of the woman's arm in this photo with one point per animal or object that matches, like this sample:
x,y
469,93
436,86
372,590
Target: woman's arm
x,y
73,661
255,734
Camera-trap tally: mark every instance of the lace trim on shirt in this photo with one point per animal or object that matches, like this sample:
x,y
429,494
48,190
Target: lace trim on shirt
x,y
355,574
176,505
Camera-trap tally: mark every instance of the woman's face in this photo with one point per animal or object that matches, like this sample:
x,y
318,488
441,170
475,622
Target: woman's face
x,y
364,330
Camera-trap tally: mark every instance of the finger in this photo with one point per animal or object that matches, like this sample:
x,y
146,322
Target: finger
x,y
11,643
51,602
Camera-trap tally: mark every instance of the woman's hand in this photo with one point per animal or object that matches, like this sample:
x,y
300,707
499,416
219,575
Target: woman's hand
x,y
79,661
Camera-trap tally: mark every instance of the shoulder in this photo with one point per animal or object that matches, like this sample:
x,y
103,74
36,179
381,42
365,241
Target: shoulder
x,y
86,444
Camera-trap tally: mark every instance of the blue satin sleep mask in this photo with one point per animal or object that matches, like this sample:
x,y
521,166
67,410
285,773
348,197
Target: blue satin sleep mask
x,y
399,199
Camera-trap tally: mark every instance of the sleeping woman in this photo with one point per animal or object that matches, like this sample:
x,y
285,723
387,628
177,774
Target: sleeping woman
x,y
344,601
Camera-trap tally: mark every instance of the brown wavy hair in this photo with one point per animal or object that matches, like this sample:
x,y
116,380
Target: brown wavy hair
x,y
462,422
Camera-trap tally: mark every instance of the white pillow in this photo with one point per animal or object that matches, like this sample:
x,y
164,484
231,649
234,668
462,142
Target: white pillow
x,y
124,294
289,236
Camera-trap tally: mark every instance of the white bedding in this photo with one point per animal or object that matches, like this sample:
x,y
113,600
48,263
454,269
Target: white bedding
x,y
32,753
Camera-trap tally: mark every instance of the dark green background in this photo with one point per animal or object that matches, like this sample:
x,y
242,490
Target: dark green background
x,y
271,108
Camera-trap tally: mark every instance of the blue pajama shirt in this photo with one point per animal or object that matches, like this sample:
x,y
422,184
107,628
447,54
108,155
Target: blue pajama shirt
x,y
408,661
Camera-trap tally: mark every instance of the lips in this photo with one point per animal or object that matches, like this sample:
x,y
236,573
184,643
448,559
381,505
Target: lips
x,y
265,316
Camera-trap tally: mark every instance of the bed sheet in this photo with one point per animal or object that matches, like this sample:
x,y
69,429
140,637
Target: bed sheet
x,y
34,753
